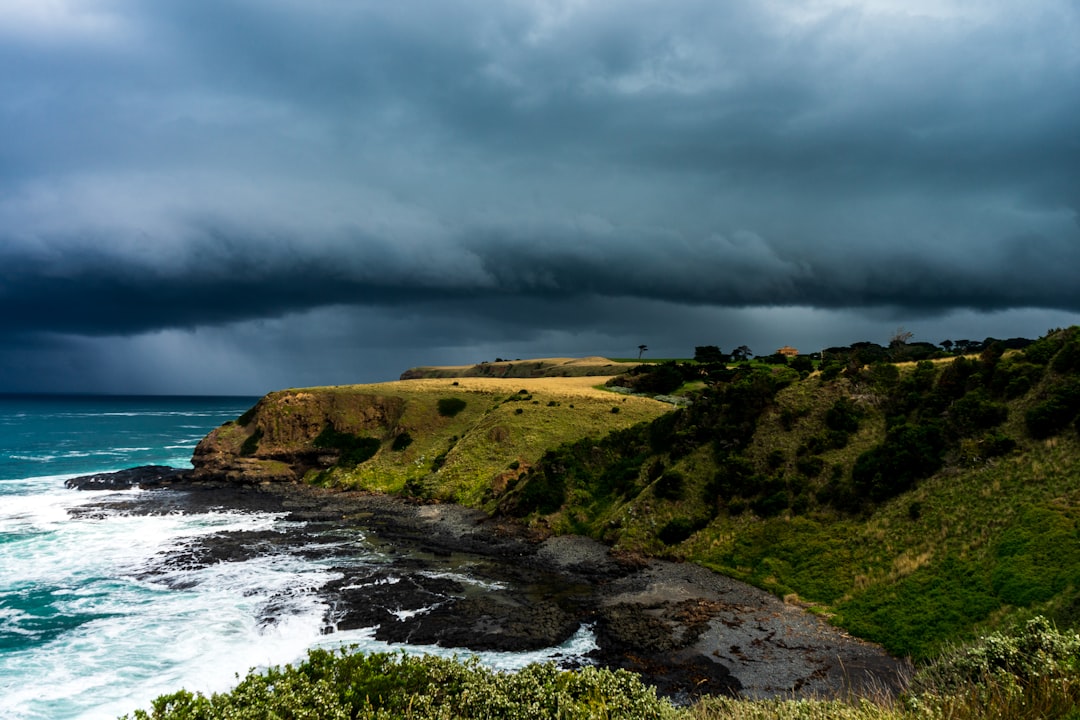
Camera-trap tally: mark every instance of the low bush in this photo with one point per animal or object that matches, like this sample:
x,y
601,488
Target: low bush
x,y
449,407
669,486
343,685
1037,649
1058,406
353,449
677,530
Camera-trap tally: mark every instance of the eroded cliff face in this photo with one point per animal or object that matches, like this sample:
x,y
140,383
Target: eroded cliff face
x,y
276,440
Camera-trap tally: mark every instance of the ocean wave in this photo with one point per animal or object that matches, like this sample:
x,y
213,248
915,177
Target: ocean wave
x,y
570,653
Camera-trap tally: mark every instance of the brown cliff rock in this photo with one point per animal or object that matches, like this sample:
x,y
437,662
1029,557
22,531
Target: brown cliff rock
x,y
276,440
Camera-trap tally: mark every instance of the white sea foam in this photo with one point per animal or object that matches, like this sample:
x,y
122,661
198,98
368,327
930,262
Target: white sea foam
x,y
465,579
582,642
145,638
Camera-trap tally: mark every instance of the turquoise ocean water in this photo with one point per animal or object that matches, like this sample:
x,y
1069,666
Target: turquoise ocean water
x,y
85,631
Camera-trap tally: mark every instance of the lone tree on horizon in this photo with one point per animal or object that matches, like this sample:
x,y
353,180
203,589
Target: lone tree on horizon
x,y
641,350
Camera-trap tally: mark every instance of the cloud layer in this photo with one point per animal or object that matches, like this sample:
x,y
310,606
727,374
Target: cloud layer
x,y
200,168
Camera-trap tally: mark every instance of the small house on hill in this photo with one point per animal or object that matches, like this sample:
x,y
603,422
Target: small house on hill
x,y
787,351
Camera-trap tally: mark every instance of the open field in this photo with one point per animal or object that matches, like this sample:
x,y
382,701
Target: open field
x,y
530,368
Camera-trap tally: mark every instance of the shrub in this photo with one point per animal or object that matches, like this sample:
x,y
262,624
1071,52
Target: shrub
x,y
669,486
659,379
975,412
843,416
540,492
676,530
353,449
908,454
1068,358
772,504
1036,650
401,442
1060,403
449,407
811,467
343,685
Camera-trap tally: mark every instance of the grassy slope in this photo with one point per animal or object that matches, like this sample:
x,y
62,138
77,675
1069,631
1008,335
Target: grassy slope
x,y
976,544
501,431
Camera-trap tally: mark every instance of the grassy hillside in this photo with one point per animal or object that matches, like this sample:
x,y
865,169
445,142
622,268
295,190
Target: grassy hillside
x,y
534,368
455,440
913,503
500,431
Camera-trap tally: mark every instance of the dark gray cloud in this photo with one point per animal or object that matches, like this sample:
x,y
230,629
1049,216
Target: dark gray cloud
x,y
457,177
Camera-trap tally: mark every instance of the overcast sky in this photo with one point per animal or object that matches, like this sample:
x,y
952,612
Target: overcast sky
x,y
234,196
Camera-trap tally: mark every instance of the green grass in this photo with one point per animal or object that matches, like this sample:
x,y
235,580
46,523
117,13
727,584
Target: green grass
x,y
469,437
981,541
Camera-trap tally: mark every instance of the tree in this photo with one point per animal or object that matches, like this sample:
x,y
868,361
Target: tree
x,y
741,353
707,354
898,343
641,350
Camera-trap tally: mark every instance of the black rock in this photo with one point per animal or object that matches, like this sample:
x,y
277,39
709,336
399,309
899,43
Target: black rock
x,y
145,476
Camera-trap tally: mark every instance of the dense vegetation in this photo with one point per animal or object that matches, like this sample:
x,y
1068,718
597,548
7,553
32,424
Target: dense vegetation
x,y
1031,672
343,686
913,502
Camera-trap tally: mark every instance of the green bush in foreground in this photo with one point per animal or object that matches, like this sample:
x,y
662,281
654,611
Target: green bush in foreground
x,y
1033,672
333,686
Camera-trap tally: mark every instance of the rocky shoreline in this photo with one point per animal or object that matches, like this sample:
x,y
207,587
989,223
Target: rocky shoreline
x,y
685,629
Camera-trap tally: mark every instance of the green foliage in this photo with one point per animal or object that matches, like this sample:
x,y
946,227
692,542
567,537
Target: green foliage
x,y
1067,359
669,486
1042,351
676,530
975,412
1035,650
449,407
914,614
1059,404
353,448
402,441
706,354
908,454
659,379
1038,556
542,491
333,686
811,466
843,416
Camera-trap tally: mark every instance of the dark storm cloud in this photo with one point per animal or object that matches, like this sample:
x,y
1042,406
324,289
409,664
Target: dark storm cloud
x,y
180,165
